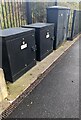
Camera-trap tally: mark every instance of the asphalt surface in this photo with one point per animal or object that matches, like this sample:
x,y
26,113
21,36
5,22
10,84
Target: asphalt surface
x,y
57,96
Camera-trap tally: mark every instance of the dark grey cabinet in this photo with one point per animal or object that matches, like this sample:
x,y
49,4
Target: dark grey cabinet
x,y
76,23
60,17
18,51
44,36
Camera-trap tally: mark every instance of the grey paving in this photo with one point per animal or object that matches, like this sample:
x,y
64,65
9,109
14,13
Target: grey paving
x,y
57,96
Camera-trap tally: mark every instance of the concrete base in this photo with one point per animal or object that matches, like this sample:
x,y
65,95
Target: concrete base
x,y
3,88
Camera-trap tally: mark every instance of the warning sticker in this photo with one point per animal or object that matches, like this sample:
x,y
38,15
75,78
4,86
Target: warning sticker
x,y
24,46
47,35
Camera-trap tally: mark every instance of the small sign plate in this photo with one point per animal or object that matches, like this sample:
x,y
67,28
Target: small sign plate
x,y
47,35
24,46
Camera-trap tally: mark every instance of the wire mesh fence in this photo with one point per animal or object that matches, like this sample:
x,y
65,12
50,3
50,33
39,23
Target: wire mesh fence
x,y
39,11
12,14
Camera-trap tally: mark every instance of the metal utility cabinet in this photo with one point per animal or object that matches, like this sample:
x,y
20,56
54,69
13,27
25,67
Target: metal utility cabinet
x,y
76,23
60,17
18,52
80,21
44,36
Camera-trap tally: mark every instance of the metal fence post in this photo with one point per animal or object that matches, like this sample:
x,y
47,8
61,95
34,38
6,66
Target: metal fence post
x,y
28,13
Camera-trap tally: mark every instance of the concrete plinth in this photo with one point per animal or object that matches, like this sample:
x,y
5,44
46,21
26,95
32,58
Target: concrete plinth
x,y
3,88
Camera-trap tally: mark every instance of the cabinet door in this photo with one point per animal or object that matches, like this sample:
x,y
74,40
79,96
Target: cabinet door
x,y
76,23
20,53
60,19
63,17
59,36
46,40
66,22
60,28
